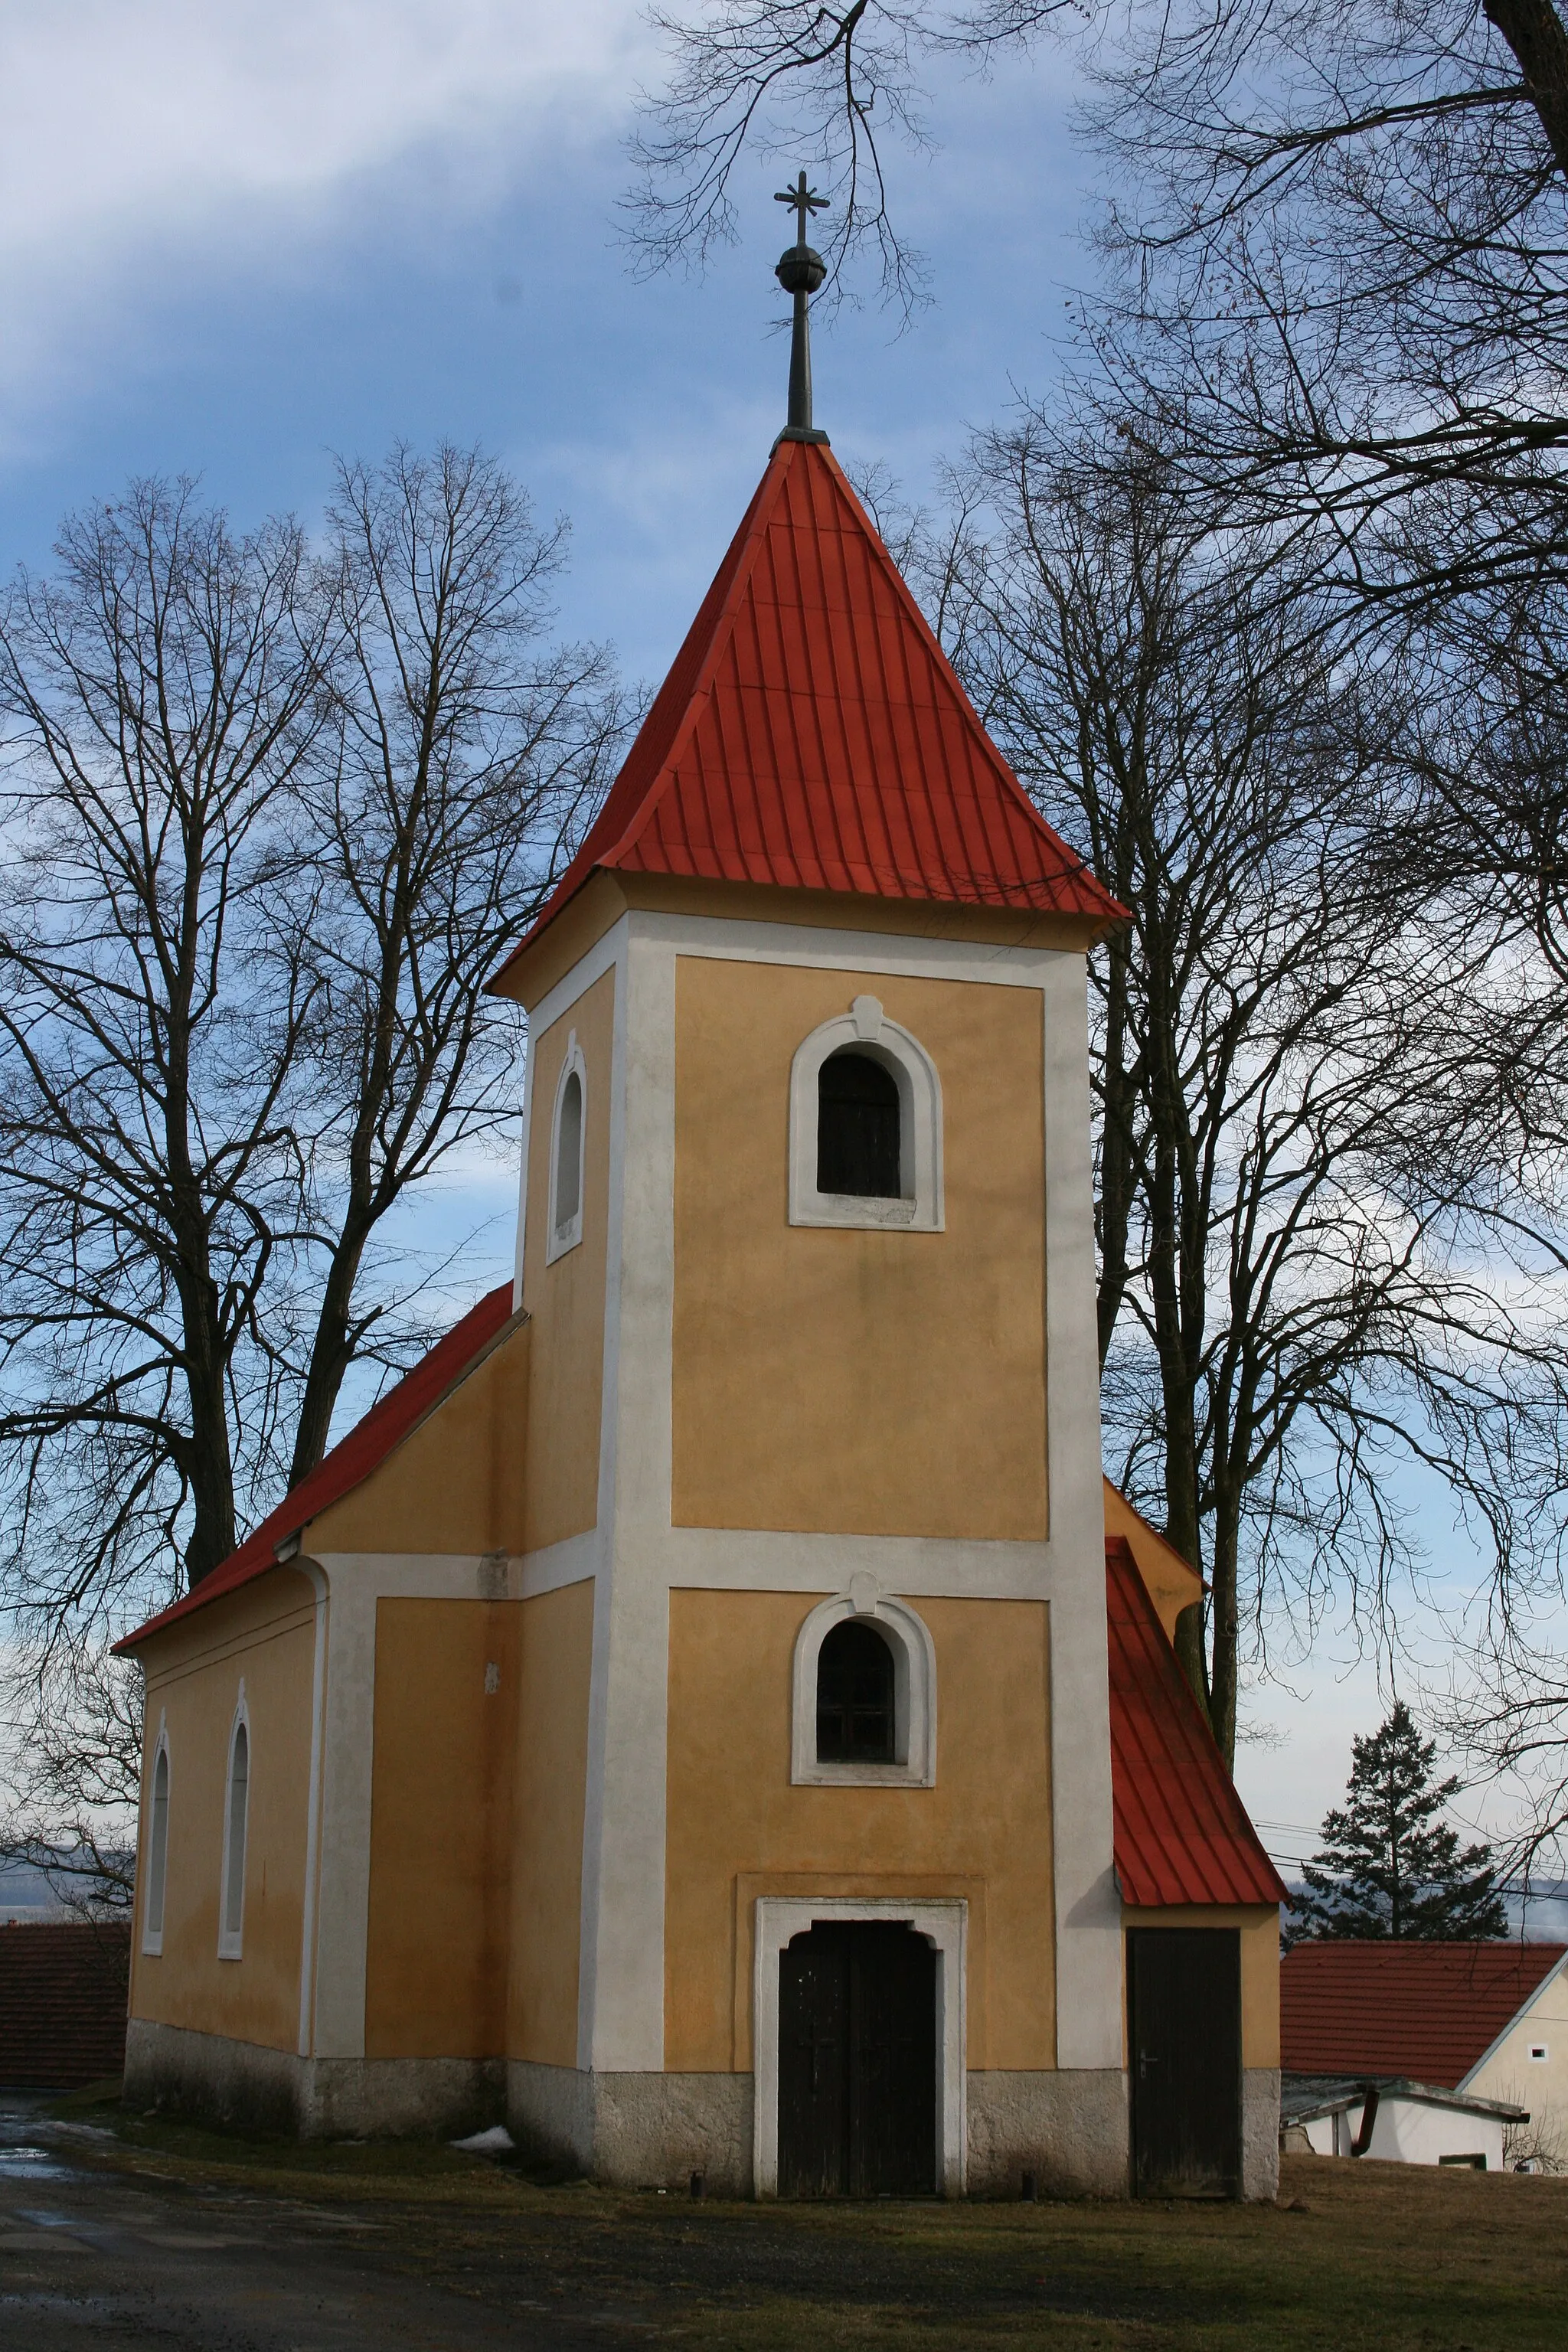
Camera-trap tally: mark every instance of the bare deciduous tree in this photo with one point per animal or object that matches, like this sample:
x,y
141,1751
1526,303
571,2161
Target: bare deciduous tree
x,y
157,695
460,753
273,819
1334,273
1330,313
75,1776
1285,1301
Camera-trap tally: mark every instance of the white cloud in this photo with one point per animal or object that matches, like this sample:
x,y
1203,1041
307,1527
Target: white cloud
x,y
177,131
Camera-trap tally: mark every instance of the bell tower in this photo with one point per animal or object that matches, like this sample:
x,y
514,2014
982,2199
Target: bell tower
x,y
806,1248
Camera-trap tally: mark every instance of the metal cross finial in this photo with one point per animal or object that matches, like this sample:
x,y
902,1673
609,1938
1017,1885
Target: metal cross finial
x,y
800,272
806,202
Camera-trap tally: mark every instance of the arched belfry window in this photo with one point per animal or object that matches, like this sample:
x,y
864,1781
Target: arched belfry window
x,y
157,1848
857,1128
568,1131
235,1824
865,1693
865,1126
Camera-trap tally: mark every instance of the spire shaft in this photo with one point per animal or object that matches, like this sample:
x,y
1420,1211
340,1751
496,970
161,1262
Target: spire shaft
x,y
800,365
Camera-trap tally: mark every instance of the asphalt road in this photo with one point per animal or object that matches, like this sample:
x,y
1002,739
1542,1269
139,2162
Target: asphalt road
x,y
152,2266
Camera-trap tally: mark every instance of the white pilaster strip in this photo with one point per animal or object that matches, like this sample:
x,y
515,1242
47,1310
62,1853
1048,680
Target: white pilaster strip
x,y
1088,1929
621,1986
519,1244
356,1581
313,1817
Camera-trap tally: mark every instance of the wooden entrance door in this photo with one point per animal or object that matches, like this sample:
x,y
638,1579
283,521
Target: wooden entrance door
x,y
857,2061
1183,2009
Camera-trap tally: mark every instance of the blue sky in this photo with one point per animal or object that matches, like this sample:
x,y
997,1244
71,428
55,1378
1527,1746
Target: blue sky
x,y
235,239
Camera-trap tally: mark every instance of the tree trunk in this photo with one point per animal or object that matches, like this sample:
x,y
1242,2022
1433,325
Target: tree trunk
x,y
331,1348
1118,1101
209,1464
1174,1343
1224,1618
1535,33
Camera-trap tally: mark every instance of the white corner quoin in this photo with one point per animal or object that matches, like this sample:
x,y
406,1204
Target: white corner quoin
x,y
868,1029
944,1925
914,1693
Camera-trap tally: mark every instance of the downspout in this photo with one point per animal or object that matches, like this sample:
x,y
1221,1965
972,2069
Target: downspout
x,y
1362,2139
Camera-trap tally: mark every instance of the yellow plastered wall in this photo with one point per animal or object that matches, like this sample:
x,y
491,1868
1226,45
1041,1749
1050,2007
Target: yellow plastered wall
x,y
547,1848
1172,1585
455,1484
736,1828
1259,1966
266,1634
855,1382
440,1828
567,1300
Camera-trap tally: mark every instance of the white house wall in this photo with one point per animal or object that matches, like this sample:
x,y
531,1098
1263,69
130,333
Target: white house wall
x,y
1507,2071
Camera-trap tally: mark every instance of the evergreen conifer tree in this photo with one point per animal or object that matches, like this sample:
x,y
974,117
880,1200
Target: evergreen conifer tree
x,y
1388,1867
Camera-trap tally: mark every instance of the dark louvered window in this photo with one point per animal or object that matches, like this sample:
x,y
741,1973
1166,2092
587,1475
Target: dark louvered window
x,y
854,1696
857,1128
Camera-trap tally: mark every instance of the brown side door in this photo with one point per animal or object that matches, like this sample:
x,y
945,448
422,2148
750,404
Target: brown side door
x,y
1183,2015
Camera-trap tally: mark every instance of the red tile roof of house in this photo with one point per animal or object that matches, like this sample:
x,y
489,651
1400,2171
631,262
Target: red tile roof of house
x,y
1181,1832
812,735
62,2002
351,1460
1427,2010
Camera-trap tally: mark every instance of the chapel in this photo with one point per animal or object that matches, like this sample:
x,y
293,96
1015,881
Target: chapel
x,y
711,1714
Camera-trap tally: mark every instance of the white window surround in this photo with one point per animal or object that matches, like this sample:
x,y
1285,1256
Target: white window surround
x,y
1539,2050
944,1925
914,1693
231,1912
867,1028
157,1846
563,1232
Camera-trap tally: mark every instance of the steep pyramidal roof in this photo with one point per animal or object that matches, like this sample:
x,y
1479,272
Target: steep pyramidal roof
x,y
811,733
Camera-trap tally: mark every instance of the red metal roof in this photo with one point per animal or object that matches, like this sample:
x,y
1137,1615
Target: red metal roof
x,y
812,735
1182,1832
1427,2010
351,1460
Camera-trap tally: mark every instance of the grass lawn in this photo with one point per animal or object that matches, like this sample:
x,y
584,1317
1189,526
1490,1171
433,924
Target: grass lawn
x,y
1354,2253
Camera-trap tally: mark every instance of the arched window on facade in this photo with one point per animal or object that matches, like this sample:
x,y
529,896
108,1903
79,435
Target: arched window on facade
x,y
235,1814
854,1697
863,1685
157,1852
567,1154
858,1120
865,1126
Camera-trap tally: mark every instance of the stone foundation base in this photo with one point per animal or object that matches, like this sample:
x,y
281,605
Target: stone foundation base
x,y
1070,2129
642,2131
634,2131
215,2079
1260,2133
